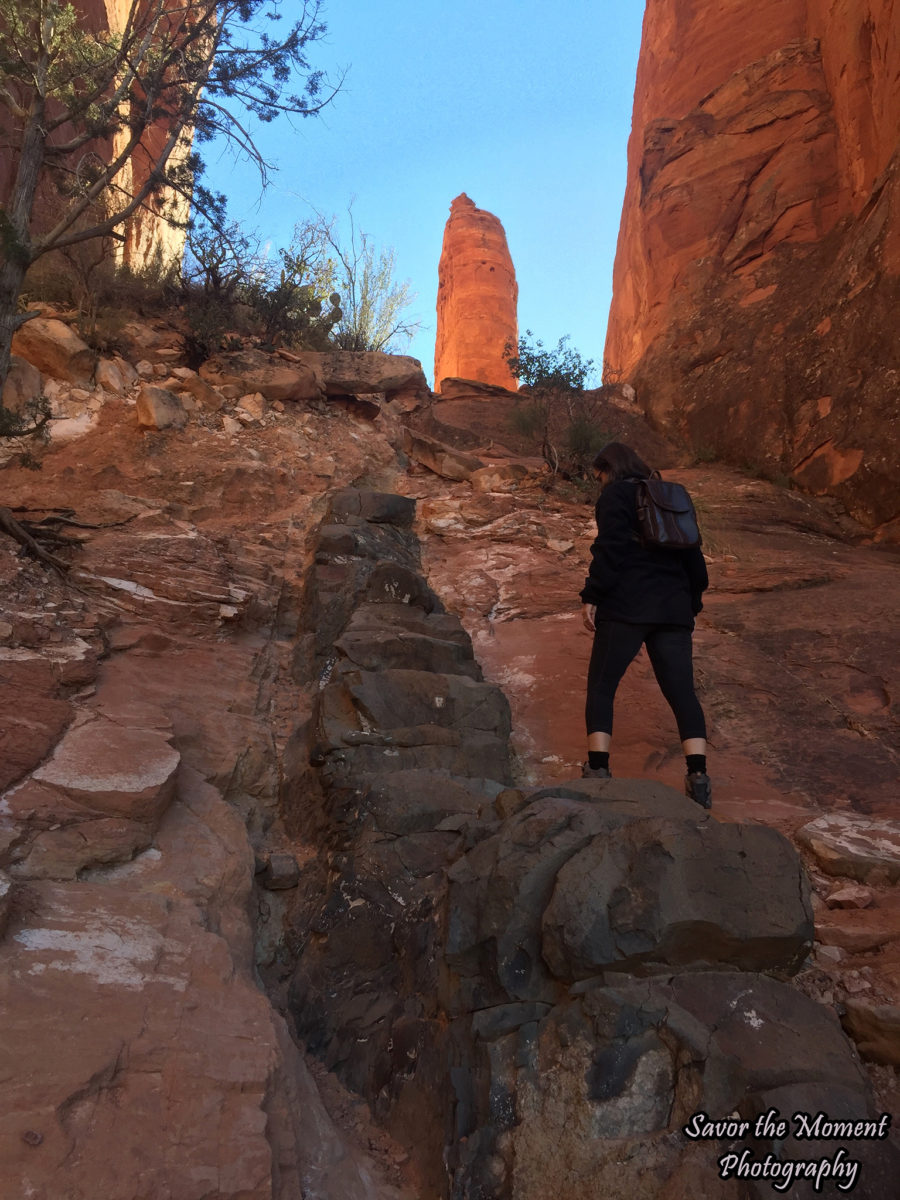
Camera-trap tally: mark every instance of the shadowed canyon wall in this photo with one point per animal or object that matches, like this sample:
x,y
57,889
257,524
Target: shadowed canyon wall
x,y
758,263
477,294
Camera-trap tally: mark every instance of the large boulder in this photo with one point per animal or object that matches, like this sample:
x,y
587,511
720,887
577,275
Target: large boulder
x,y
55,349
670,891
22,386
368,372
253,371
606,1095
569,888
158,408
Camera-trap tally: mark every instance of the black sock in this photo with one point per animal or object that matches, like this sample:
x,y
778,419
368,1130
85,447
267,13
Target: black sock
x,y
598,759
696,764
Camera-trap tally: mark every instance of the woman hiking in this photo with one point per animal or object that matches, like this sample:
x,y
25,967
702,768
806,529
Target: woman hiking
x,y
637,595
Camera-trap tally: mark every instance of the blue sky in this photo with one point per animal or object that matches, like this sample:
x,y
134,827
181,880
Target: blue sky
x,y
524,106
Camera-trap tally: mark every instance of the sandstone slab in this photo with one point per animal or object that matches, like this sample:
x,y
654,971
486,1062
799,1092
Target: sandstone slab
x,y
110,768
862,848
33,714
443,460
69,847
851,896
858,931
177,1050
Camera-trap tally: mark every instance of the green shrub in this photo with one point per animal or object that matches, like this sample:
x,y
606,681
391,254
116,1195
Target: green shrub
x,y
553,370
554,410
291,308
584,440
528,418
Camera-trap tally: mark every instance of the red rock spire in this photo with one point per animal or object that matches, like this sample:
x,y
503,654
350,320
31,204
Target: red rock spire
x,y
476,302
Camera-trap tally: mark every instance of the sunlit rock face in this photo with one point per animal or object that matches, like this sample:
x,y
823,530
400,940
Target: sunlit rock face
x,y
477,294
150,240
759,253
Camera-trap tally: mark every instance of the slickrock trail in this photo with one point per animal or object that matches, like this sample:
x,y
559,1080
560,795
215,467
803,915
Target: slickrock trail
x,y
796,650
797,658
253,783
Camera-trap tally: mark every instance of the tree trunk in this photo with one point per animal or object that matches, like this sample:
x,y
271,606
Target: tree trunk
x,y
15,232
12,274
9,524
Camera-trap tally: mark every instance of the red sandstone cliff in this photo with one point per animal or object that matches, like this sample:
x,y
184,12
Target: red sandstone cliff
x,y
477,294
758,261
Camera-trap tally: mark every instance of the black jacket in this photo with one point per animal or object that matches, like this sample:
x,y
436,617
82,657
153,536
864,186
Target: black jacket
x,y
637,584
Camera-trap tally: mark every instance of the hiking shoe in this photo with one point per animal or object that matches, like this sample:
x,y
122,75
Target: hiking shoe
x,y
589,772
698,788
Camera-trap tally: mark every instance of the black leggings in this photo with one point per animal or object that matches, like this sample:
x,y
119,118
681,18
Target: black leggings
x,y
669,650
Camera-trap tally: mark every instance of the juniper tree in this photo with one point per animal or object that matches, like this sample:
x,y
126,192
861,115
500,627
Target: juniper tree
x,y
182,72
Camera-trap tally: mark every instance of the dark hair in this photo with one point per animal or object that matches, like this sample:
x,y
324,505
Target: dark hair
x,y
621,462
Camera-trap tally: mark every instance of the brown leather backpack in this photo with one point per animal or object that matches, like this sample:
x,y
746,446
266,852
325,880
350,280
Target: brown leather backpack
x,y
665,513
